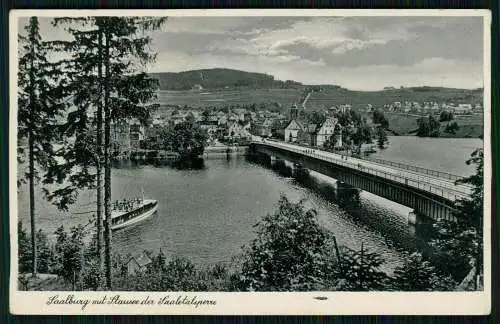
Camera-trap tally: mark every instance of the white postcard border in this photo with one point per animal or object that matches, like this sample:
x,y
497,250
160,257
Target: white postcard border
x,y
253,303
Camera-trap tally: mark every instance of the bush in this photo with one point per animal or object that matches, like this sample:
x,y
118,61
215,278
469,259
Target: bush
x,y
417,274
91,275
291,252
44,252
360,271
455,246
452,128
24,249
445,116
428,127
178,274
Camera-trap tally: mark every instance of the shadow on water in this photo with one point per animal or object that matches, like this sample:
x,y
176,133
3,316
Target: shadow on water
x,y
188,164
178,164
363,208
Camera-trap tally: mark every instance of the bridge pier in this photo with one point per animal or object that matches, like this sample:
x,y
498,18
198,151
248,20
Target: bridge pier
x,y
273,159
345,193
299,172
416,218
412,217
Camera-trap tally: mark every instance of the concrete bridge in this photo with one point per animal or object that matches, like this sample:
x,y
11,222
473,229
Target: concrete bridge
x,y
430,193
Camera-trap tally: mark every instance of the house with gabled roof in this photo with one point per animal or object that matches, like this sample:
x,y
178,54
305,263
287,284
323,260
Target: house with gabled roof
x,y
138,263
238,129
314,134
325,130
293,130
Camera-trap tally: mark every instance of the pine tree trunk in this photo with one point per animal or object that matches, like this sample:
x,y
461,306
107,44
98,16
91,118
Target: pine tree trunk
x,y
99,159
107,168
32,201
31,156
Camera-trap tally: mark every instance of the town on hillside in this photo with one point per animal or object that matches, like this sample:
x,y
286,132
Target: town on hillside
x,y
336,128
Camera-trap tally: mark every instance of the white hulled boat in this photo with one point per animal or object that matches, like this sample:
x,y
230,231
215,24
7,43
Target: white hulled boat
x,y
131,211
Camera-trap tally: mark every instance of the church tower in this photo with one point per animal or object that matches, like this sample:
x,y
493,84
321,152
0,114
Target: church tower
x,y
294,112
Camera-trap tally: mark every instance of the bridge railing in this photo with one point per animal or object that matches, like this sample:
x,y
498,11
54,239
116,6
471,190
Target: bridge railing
x,y
404,166
434,173
418,181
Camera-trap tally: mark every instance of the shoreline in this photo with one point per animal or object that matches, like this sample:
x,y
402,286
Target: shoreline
x,y
225,151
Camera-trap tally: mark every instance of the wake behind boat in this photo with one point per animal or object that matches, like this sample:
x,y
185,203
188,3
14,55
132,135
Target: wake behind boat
x,y
130,211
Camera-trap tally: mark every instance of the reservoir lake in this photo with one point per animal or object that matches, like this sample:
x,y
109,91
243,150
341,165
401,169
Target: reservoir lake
x,y
207,215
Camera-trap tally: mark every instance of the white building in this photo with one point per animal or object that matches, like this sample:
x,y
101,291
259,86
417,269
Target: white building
x,y
292,130
238,130
326,130
463,109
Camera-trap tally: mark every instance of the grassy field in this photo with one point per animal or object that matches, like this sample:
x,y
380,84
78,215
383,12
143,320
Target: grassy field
x,y
401,125
327,97
470,126
284,97
360,99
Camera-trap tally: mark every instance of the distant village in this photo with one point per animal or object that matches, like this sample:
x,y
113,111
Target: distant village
x,y
432,107
235,125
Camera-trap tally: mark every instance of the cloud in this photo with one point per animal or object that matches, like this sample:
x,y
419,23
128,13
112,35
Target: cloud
x,y
407,45
431,72
202,25
228,25
320,37
357,52
336,34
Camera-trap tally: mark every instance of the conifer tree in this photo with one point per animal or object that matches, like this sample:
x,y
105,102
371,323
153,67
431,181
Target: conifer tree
x,y
416,274
381,137
38,108
107,53
460,243
82,135
361,270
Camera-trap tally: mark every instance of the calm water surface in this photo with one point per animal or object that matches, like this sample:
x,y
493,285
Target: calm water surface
x,y
440,154
207,215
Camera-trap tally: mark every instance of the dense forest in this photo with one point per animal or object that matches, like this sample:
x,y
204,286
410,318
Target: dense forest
x,y
219,78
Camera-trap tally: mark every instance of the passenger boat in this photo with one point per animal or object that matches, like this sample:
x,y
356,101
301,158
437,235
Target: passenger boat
x,y
131,211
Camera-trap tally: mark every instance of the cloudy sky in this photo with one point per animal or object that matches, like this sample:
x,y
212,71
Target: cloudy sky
x,y
366,53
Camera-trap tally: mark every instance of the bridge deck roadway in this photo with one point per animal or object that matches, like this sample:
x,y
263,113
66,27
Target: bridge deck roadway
x,y
445,188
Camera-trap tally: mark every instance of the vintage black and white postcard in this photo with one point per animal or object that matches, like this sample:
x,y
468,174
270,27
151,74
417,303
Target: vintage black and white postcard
x,y
250,162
